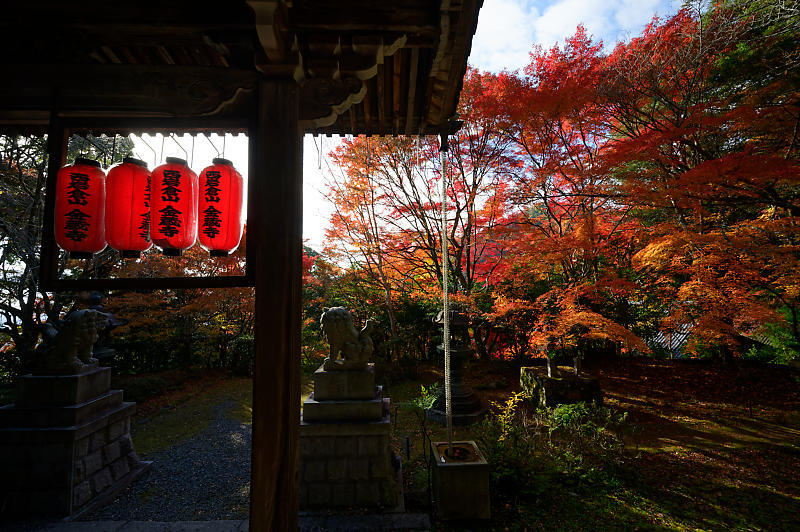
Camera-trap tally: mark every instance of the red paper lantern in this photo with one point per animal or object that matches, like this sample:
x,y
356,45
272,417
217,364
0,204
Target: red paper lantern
x,y
220,208
80,202
173,207
128,207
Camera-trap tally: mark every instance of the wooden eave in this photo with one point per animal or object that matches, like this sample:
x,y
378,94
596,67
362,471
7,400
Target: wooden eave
x,y
363,67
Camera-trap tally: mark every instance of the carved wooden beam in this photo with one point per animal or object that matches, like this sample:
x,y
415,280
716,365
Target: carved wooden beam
x,y
331,84
143,90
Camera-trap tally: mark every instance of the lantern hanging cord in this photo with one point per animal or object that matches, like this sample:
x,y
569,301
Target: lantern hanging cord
x,y
149,147
99,148
208,138
446,301
175,140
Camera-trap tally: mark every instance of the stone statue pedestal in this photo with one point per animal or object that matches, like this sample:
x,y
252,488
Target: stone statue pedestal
x,y
65,445
345,447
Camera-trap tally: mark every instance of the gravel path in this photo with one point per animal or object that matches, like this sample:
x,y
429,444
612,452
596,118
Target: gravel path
x,y
204,478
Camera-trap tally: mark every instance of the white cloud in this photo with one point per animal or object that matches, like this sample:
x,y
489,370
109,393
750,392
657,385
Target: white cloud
x,y
504,35
634,13
508,29
561,19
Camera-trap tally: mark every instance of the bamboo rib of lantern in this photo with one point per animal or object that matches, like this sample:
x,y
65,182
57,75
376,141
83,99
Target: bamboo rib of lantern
x,y
128,205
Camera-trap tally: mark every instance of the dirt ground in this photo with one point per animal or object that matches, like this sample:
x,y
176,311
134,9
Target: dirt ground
x,y
710,447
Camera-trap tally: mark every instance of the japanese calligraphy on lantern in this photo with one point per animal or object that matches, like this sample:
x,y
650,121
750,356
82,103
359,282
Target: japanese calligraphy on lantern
x,y
211,221
211,189
144,222
173,206
170,184
78,188
170,220
76,226
79,208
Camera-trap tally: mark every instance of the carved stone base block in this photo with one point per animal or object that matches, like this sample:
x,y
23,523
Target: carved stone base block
x,y
345,447
65,444
344,384
460,486
347,410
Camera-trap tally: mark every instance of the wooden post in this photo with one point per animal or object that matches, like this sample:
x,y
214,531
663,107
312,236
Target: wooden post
x,y
274,243
57,152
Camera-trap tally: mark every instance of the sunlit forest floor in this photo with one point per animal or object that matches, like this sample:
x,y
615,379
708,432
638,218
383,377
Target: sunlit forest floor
x,y
707,446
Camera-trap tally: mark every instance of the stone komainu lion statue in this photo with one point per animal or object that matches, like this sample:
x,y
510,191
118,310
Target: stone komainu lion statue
x,y
68,348
354,347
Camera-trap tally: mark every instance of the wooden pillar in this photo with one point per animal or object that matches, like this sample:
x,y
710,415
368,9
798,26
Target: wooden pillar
x,y
274,243
57,153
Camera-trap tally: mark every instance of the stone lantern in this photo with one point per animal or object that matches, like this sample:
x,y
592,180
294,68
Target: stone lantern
x,y
466,405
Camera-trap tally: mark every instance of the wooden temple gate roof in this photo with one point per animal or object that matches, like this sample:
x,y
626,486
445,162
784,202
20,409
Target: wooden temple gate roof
x,y
363,67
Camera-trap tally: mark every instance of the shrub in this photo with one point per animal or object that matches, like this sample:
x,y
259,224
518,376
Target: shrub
x,y
142,387
584,431
535,454
512,444
242,355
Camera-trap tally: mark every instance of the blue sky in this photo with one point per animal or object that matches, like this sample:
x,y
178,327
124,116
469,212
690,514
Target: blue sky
x,y
507,29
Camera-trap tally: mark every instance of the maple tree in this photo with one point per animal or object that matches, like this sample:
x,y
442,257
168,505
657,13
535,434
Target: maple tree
x,y
653,187
709,156
564,283
387,199
169,328
181,327
595,198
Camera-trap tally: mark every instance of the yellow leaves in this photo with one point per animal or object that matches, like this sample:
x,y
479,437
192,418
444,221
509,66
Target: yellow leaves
x,y
792,291
507,413
599,327
661,252
504,306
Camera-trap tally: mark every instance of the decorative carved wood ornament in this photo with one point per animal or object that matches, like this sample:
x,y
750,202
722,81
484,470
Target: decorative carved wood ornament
x,y
331,72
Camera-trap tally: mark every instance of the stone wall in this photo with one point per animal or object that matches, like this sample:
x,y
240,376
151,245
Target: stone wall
x,y
544,391
344,468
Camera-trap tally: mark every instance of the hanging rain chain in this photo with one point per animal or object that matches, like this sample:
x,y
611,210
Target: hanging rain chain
x,y
446,301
